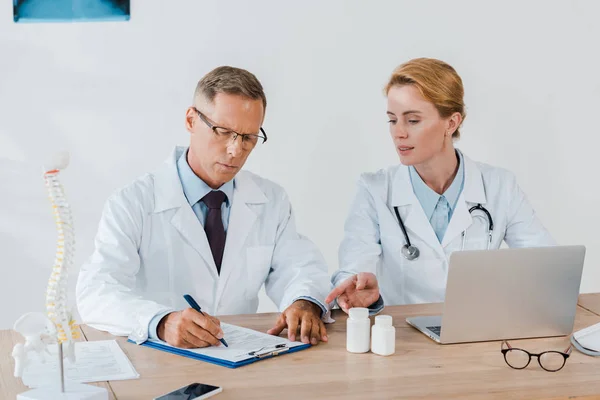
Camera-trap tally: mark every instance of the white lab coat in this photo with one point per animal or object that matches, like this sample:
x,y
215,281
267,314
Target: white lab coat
x,y
373,237
151,249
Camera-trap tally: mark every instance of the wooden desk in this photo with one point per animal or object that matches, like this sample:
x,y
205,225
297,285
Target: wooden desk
x,y
10,386
419,369
591,302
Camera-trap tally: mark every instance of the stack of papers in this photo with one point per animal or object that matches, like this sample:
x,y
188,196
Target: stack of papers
x,y
97,361
589,337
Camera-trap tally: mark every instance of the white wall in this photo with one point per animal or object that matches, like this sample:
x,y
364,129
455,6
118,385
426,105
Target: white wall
x,y
114,94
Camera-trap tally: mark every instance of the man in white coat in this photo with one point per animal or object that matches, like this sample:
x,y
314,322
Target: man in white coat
x,y
201,226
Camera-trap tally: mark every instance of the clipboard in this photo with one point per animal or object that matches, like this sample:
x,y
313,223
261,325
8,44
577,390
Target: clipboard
x,y
242,357
262,355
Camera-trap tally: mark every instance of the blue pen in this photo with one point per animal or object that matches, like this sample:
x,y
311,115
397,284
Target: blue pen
x,y
196,307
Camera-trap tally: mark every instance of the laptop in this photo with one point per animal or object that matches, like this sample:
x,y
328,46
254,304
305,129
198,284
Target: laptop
x,y
507,294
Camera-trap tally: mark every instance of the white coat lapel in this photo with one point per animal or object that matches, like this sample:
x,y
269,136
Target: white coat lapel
x,y
473,193
241,220
168,194
460,221
186,222
411,211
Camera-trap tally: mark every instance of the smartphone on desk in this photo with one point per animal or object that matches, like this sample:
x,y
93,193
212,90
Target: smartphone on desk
x,y
193,391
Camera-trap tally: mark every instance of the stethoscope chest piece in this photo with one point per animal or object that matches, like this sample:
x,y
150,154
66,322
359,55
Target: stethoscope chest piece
x,y
410,252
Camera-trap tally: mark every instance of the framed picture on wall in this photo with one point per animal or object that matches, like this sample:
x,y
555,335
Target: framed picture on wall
x,y
70,10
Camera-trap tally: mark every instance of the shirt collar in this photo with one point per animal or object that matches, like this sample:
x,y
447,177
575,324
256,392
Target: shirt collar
x,y
428,197
195,188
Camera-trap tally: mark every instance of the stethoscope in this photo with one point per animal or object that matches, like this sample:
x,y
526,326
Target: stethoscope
x,y
411,252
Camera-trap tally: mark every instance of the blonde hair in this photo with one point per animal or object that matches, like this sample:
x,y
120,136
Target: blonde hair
x,y
437,82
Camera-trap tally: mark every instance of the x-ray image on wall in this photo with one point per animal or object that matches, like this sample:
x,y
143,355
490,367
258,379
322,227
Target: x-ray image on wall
x,y
70,10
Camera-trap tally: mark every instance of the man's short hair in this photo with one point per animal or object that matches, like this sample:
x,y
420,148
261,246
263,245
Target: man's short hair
x,y
230,80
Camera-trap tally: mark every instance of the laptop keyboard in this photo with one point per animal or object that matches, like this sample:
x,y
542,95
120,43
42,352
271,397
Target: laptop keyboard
x,y
435,329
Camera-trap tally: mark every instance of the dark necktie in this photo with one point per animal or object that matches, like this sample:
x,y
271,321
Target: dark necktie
x,y
215,231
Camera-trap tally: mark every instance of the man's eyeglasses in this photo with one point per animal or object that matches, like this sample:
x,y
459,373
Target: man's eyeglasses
x,y
249,140
551,361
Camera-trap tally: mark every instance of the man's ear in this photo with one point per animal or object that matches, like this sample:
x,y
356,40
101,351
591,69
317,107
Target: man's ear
x,y
190,119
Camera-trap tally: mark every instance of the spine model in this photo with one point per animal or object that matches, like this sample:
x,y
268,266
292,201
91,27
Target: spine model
x,y
56,295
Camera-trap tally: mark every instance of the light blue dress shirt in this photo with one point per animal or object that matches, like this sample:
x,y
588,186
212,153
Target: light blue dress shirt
x,y
194,190
439,208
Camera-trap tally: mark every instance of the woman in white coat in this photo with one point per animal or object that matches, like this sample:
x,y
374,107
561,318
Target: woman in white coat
x,y
444,200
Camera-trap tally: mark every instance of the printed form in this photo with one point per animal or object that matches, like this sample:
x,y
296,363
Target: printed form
x,y
96,361
243,344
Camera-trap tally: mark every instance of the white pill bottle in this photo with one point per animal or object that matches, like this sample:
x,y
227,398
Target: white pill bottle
x,y
358,330
383,336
